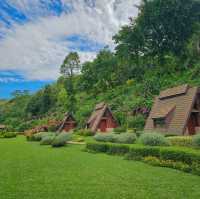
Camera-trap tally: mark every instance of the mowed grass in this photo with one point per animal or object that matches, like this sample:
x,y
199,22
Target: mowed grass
x,y
31,171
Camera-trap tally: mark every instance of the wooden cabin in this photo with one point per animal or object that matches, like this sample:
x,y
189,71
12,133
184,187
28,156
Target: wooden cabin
x,y
176,111
102,119
68,123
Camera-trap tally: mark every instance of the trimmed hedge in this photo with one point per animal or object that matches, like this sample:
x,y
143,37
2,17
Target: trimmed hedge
x,y
8,135
109,148
174,157
196,140
185,141
168,163
124,138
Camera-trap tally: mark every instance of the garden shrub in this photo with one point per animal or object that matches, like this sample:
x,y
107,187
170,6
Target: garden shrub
x,y
8,135
125,138
137,152
196,140
184,159
109,148
97,147
47,140
153,139
61,139
118,149
131,131
79,139
136,122
120,130
105,137
154,161
38,136
185,141
84,132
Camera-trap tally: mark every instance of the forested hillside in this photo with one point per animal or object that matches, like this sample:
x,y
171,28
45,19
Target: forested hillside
x,y
158,49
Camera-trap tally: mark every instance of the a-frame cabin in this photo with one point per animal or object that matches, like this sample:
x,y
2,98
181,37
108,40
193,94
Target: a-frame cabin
x,y
68,124
102,119
176,111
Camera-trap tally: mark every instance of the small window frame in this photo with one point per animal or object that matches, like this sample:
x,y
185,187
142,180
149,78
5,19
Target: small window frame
x,y
159,122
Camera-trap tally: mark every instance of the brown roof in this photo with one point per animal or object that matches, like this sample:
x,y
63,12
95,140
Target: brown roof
x,y
173,91
67,116
163,112
178,100
97,114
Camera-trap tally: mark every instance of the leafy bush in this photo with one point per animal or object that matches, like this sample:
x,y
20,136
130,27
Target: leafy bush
x,y
97,147
153,139
125,138
196,140
154,161
120,130
84,132
39,136
47,140
105,137
8,135
107,148
136,122
79,139
117,149
187,156
181,141
61,139
133,130
138,152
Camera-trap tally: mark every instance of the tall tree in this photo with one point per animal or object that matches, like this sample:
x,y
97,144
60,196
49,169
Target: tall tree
x,y
70,67
162,27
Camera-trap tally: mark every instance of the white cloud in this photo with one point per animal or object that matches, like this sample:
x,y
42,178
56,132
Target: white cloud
x,y
34,48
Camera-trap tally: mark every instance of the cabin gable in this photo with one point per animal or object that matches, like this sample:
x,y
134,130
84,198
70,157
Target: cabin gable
x,y
172,111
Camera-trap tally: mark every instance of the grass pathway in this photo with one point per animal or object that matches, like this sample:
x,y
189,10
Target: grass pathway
x,y
30,171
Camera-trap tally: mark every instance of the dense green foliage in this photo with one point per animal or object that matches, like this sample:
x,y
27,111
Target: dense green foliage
x,y
184,159
33,172
47,140
61,139
7,135
158,49
185,141
153,139
196,140
125,138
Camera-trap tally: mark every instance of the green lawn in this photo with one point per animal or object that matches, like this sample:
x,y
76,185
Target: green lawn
x,y
29,171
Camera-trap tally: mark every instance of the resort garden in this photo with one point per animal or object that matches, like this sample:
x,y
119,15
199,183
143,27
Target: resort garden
x,y
79,164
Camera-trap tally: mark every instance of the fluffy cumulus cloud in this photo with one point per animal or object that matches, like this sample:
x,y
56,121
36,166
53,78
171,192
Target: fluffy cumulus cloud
x,y
36,35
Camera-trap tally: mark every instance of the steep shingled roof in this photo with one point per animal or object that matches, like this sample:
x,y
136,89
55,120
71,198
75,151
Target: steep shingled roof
x,y
66,118
182,98
97,114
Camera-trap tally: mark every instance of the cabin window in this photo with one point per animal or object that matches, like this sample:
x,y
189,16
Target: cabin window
x,y
159,122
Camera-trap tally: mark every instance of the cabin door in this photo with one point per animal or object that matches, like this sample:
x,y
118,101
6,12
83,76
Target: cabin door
x,y
192,124
103,125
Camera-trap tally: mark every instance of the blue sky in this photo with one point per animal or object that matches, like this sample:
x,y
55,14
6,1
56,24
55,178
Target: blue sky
x,y
36,35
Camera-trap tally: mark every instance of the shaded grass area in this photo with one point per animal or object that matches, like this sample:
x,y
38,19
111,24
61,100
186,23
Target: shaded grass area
x,y
28,170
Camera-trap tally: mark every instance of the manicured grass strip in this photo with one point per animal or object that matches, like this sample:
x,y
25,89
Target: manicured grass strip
x,y
29,170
